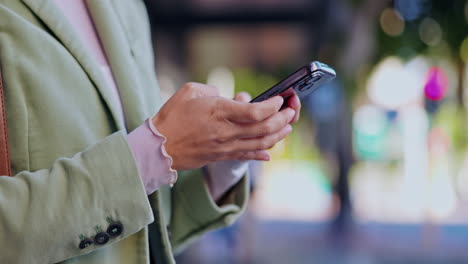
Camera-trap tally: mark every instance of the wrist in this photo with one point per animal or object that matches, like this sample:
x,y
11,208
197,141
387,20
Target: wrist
x,y
156,132
154,165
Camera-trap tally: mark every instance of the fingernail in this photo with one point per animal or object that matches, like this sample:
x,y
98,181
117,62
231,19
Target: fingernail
x,y
280,100
288,128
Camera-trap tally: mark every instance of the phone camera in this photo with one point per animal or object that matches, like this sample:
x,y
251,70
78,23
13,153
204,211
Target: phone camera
x,y
308,83
315,78
305,86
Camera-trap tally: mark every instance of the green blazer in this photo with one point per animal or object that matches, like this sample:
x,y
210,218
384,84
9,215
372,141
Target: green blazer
x,y
73,167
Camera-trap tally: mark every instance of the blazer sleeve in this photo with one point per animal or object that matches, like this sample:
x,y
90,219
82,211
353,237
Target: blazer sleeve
x,y
44,215
194,211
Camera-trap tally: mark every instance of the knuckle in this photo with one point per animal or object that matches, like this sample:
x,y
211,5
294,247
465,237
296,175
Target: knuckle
x,y
255,114
220,138
268,128
218,104
226,149
263,144
214,90
189,86
213,110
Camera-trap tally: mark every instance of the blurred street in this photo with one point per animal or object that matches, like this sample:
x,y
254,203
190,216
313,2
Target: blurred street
x,y
376,170
287,242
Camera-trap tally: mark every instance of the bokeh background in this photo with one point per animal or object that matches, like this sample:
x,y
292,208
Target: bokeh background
x,y
376,171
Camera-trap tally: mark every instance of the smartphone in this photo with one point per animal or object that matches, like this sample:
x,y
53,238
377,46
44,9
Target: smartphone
x,y
302,82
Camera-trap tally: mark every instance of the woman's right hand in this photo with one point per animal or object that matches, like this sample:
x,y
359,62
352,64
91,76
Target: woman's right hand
x,y
202,127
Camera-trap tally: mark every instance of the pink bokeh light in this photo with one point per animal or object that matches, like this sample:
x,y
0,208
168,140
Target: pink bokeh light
x,y
436,84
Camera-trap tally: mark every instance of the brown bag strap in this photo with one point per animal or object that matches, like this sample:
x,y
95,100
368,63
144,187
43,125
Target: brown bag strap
x,y
5,167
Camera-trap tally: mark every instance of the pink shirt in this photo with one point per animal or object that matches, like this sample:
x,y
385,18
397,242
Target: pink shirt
x,y
146,143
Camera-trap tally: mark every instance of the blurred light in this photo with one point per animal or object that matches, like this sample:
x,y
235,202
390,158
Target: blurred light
x,y
442,194
414,192
465,87
443,199
393,146
412,9
370,125
462,178
306,192
430,32
451,71
436,84
393,85
380,86
418,67
439,142
464,50
324,103
370,120
391,22
392,115
223,79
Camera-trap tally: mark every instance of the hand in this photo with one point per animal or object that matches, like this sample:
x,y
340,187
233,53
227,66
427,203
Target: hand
x,y
293,102
202,127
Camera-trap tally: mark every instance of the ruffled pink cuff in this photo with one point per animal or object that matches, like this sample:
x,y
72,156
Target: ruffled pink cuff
x,y
153,162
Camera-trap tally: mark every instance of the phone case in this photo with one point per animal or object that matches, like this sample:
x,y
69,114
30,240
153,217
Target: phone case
x,y
305,80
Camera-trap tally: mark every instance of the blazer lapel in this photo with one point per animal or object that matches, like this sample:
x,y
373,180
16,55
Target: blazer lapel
x,y
58,24
118,52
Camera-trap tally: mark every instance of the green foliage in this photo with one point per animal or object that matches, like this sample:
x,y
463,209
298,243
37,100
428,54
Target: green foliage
x,y
252,82
452,121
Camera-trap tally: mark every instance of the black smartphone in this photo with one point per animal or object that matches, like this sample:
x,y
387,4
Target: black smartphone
x,y
303,81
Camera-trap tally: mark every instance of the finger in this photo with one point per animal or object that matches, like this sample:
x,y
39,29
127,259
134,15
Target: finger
x,y
269,126
261,155
243,97
262,143
236,111
295,104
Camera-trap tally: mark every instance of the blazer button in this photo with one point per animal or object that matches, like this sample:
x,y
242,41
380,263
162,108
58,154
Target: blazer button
x,y
101,238
85,243
115,229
